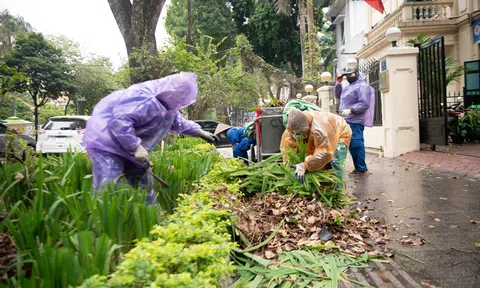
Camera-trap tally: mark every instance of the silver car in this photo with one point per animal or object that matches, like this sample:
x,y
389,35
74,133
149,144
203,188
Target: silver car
x,y
62,134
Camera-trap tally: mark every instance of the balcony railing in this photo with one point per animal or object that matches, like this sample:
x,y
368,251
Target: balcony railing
x,y
411,14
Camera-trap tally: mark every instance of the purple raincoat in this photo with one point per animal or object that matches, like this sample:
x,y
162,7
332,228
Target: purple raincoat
x,y
141,114
360,98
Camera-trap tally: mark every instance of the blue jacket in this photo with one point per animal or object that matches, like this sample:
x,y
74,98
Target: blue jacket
x,y
241,144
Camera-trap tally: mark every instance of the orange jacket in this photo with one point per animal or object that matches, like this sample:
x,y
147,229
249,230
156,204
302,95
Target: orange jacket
x,y
326,130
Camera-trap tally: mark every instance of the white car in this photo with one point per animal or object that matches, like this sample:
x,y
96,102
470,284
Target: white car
x,y
62,134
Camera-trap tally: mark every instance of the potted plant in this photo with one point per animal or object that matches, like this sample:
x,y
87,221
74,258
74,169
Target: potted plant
x,y
472,118
457,129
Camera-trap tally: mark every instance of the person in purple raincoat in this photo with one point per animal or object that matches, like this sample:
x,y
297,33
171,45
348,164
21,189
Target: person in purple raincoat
x,y
357,105
127,124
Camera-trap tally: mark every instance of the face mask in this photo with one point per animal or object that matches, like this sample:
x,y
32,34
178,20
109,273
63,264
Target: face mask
x,y
352,79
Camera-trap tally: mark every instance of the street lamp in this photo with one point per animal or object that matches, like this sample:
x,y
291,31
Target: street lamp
x,y
309,88
393,34
352,63
326,77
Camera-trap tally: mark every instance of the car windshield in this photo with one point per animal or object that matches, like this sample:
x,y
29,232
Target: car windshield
x,y
65,124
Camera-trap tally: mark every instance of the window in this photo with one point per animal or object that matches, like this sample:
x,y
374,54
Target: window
x,y
343,32
3,129
65,124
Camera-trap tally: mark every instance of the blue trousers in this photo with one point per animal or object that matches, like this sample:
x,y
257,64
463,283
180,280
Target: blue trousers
x,y
241,150
357,147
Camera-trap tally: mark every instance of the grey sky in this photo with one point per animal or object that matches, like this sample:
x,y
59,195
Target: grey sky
x,y
88,22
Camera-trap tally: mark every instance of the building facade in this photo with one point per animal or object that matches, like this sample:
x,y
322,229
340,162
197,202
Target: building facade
x,y
458,21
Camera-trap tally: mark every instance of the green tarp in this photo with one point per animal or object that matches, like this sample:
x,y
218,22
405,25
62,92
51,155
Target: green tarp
x,y
249,130
301,105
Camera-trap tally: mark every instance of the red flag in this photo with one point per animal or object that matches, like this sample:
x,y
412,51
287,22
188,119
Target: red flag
x,y
376,4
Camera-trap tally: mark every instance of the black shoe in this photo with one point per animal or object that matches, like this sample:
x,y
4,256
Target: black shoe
x,y
355,172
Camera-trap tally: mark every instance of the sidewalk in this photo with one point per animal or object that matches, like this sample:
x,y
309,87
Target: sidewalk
x,y
460,159
429,206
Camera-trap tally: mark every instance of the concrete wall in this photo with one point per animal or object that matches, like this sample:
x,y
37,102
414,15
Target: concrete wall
x,y
374,137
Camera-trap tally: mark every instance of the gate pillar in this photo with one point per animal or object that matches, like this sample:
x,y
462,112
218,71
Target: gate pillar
x,y
324,98
398,83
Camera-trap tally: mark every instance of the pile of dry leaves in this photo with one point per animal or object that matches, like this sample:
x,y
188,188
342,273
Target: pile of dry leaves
x,y
297,223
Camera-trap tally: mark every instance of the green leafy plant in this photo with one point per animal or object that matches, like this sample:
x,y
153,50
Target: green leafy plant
x,y
54,213
298,268
190,251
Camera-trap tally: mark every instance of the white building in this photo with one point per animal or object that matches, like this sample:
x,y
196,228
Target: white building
x,y
349,25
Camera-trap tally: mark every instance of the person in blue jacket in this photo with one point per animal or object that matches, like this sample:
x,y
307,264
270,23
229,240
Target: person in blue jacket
x,y
236,137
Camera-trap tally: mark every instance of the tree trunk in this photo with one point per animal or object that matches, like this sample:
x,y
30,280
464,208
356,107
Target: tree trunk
x,y
311,37
137,23
301,15
35,115
66,107
189,22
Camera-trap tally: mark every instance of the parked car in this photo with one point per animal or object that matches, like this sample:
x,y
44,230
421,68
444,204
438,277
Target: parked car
x,y
61,134
19,150
210,126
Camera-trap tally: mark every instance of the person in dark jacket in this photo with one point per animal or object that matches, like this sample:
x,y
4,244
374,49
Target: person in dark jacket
x,y
236,137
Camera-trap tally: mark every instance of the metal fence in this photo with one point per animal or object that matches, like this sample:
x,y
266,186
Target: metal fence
x,y
371,70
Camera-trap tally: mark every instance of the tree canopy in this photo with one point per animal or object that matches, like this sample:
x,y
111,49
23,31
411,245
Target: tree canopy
x,y
208,17
10,28
45,67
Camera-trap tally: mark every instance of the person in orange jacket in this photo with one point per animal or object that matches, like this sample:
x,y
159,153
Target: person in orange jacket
x,y
327,136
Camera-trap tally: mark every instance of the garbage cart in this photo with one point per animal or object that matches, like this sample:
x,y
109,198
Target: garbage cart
x,y
268,131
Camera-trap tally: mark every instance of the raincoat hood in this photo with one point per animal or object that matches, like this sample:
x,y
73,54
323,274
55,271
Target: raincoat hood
x,y
174,92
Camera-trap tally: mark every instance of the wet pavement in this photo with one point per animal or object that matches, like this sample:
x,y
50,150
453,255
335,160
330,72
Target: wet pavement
x,y
429,205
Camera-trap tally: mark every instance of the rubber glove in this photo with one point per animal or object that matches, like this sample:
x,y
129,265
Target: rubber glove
x,y
141,154
346,112
207,136
300,172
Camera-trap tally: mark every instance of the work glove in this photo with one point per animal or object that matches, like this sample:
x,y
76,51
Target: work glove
x,y
300,172
141,154
207,136
345,112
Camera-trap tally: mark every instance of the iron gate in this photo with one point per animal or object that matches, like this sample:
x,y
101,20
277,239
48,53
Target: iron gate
x,y
371,70
432,94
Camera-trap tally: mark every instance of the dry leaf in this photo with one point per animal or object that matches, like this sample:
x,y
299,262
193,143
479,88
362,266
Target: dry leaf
x,y
453,226
269,254
19,176
431,227
311,220
437,220
475,222
443,198
431,212
430,285
407,169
